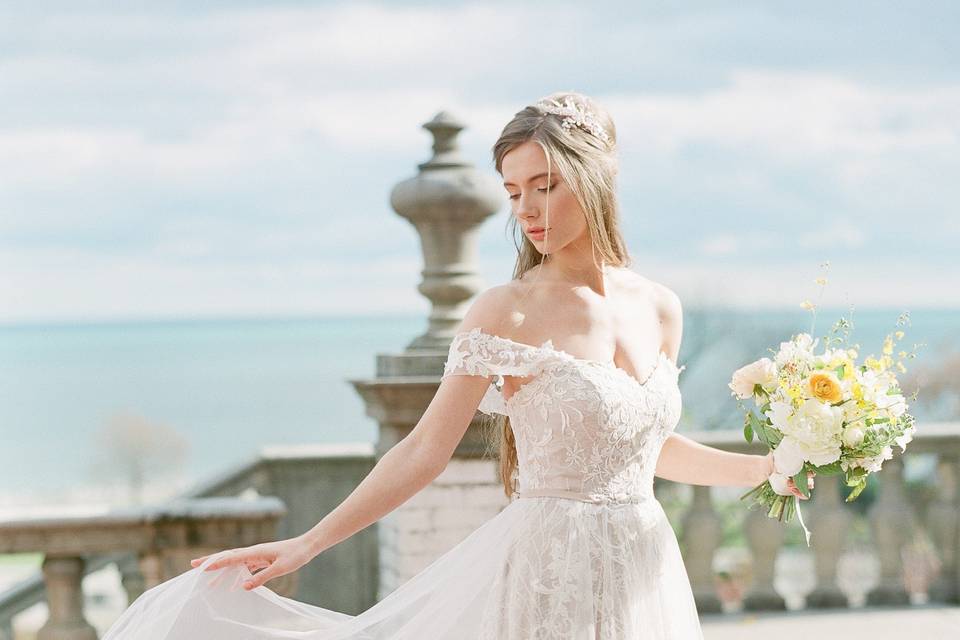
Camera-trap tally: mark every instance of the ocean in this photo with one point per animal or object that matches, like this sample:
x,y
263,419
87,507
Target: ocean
x,y
226,387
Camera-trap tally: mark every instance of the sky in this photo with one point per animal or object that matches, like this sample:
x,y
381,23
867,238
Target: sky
x,y
227,159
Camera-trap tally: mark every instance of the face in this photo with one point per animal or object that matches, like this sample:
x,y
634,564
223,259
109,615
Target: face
x,y
524,170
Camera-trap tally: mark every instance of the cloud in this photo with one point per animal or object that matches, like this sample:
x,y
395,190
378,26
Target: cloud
x,y
240,145
839,234
742,244
794,115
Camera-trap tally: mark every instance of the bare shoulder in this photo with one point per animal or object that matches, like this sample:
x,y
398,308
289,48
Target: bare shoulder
x,y
669,311
666,301
668,304
492,310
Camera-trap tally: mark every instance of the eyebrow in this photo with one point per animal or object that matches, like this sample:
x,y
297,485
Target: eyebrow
x,y
530,179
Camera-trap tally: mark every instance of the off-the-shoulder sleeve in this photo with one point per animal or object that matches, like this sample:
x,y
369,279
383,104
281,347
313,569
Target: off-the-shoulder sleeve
x,y
476,353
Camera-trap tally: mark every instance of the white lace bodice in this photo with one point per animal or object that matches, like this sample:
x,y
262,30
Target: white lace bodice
x,y
583,429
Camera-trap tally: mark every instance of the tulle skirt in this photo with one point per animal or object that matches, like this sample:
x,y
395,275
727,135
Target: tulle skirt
x,y
545,568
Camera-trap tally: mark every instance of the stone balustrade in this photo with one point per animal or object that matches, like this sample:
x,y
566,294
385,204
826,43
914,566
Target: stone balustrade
x,y
158,543
893,520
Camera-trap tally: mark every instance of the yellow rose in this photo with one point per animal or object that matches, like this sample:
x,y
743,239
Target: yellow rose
x,y
824,386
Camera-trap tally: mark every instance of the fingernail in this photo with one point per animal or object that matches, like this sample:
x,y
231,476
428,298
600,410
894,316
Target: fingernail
x,y
247,585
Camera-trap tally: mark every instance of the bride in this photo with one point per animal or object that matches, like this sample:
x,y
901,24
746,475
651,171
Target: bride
x,y
583,353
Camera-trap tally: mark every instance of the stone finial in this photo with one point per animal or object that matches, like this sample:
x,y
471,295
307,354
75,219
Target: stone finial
x,y
446,202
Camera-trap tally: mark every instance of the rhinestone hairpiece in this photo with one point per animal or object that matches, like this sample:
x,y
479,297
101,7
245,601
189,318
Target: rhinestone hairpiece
x,y
575,114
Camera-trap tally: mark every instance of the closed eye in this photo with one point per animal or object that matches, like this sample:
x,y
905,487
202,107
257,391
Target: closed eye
x,y
542,190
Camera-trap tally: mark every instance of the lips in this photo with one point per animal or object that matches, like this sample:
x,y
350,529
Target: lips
x,y
535,230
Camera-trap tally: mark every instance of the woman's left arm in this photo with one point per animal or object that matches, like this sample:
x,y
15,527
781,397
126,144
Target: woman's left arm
x,y
685,460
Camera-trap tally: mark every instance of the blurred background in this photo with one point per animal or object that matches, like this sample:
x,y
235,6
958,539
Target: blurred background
x,y
197,249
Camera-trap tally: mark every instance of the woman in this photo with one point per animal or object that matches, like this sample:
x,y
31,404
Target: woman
x,y
583,351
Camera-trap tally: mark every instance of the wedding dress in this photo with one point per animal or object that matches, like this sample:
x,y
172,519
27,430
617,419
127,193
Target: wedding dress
x,y
583,551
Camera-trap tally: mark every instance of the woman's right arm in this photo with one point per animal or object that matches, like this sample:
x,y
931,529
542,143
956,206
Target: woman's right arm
x,y
414,462
408,466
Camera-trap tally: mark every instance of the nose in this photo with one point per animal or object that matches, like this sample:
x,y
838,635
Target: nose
x,y
524,210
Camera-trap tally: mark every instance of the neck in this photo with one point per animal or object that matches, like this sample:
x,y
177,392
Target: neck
x,y
576,265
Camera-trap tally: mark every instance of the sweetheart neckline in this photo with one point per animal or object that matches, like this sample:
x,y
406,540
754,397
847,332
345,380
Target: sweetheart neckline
x,y
548,344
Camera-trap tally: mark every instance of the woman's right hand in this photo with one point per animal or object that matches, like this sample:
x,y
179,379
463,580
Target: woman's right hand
x,y
273,558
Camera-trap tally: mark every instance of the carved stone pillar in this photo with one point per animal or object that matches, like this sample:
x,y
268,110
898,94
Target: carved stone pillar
x,y
701,537
943,523
831,521
446,202
764,537
62,577
892,521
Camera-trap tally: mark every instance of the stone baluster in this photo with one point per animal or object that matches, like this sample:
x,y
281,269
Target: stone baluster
x,y
151,569
701,537
943,523
62,577
130,577
891,521
764,537
831,521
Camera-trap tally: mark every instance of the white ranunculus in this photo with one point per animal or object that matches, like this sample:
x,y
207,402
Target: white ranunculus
x,y
762,372
875,386
895,404
905,438
778,482
780,414
873,463
799,349
829,355
788,457
852,436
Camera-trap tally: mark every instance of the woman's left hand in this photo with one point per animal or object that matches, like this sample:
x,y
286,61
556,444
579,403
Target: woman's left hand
x,y
273,558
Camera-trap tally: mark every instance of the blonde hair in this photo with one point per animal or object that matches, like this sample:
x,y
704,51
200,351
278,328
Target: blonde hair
x,y
588,165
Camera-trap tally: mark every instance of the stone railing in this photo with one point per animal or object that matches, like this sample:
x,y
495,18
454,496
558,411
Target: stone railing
x,y
309,480
892,520
163,539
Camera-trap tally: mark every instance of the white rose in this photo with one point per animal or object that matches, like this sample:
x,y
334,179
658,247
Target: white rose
x,y
818,429
788,457
778,482
762,372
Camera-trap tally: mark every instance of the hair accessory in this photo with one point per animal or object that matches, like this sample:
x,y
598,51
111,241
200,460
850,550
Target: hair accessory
x,y
574,114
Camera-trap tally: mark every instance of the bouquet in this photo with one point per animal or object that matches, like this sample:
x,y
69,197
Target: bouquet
x,y
823,412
